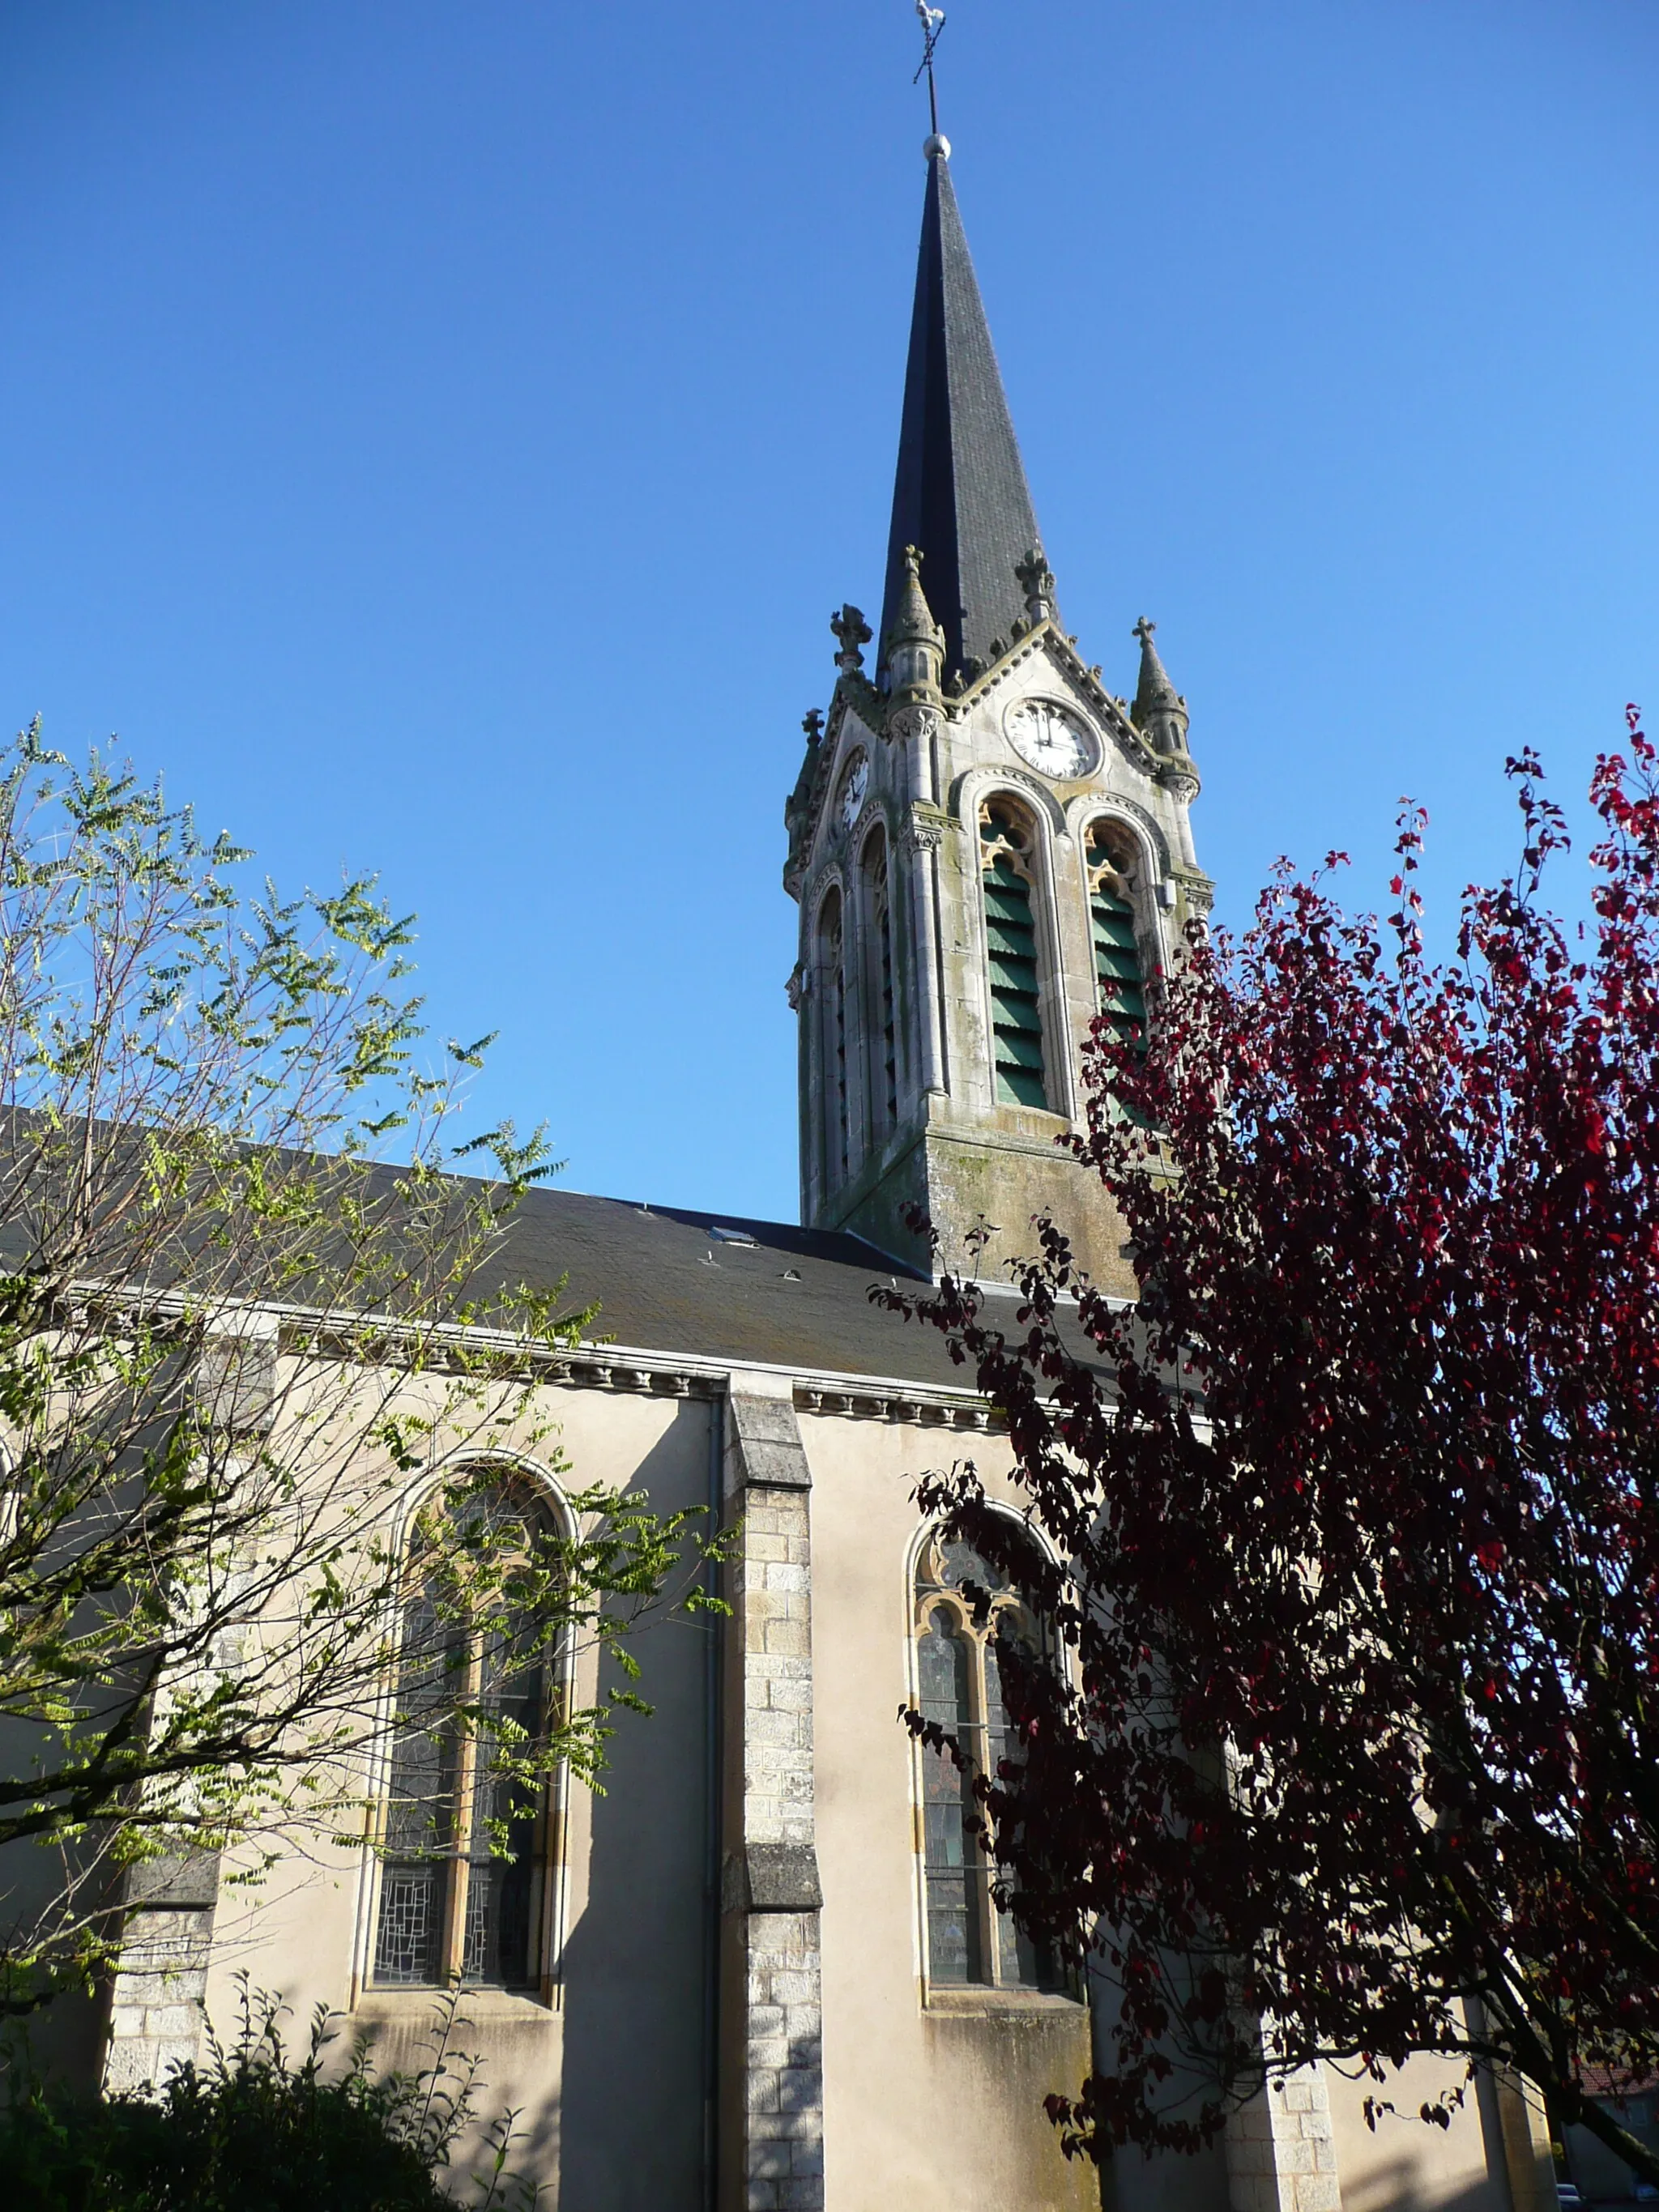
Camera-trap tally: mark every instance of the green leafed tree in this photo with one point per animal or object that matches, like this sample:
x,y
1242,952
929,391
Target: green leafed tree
x,y
250,1307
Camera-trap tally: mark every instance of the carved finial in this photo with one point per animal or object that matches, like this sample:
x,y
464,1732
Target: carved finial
x,y
913,647
813,725
1037,580
914,617
851,632
1159,713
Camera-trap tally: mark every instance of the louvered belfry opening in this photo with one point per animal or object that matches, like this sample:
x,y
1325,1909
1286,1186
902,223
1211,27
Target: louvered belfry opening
x,y
1118,973
1006,844
884,1086
835,1144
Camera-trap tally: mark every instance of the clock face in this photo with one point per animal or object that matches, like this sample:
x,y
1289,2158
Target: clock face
x,y
852,791
1049,737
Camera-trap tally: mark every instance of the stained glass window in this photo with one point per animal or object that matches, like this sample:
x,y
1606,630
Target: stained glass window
x,y
967,1611
452,1904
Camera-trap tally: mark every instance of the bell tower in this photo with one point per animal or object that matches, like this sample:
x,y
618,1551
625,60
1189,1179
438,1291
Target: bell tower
x,y
989,849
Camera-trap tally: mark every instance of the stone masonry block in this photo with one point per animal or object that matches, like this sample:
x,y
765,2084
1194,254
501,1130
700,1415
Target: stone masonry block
x,y
786,2127
800,2089
148,1989
131,2064
1318,2192
766,1726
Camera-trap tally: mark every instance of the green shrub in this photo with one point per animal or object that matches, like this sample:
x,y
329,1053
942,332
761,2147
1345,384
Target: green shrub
x,y
257,2130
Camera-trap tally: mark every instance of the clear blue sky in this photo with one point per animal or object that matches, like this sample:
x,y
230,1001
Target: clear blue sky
x,y
435,436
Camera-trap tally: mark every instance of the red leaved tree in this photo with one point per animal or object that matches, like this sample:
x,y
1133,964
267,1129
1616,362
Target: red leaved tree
x,y
1359,1756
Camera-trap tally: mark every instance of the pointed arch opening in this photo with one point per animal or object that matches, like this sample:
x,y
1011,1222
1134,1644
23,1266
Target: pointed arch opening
x,y
466,1845
832,998
1007,838
966,1613
883,1023
1112,860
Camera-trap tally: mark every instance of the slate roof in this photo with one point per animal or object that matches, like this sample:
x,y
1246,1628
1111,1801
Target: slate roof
x,y
960,493
665,1282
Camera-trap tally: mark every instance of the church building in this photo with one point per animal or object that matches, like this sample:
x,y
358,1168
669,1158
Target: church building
x,y
762,1971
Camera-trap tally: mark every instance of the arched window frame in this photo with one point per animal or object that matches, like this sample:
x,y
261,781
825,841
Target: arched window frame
x,y
831,952
550,1814
1134,869
978,798
881,1026
996,1957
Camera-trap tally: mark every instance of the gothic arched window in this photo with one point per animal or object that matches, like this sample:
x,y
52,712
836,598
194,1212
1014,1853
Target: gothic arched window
x,y
1007,850
833,973
1110,857
884,1038
959,1685
452,1906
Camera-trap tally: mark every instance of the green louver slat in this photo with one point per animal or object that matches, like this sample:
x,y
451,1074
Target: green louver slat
x,y
1015,975
1020,1048
1019,1086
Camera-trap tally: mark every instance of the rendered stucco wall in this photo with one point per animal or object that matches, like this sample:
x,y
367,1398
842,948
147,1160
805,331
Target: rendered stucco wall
x,y
938,2105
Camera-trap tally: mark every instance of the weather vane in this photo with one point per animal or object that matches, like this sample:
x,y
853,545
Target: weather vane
x,y
932,22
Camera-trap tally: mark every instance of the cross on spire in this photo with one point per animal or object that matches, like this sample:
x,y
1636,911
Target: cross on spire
x,y
932,22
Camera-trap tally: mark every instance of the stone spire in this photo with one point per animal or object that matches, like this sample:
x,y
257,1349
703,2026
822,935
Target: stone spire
x,y
960,495
1159,712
